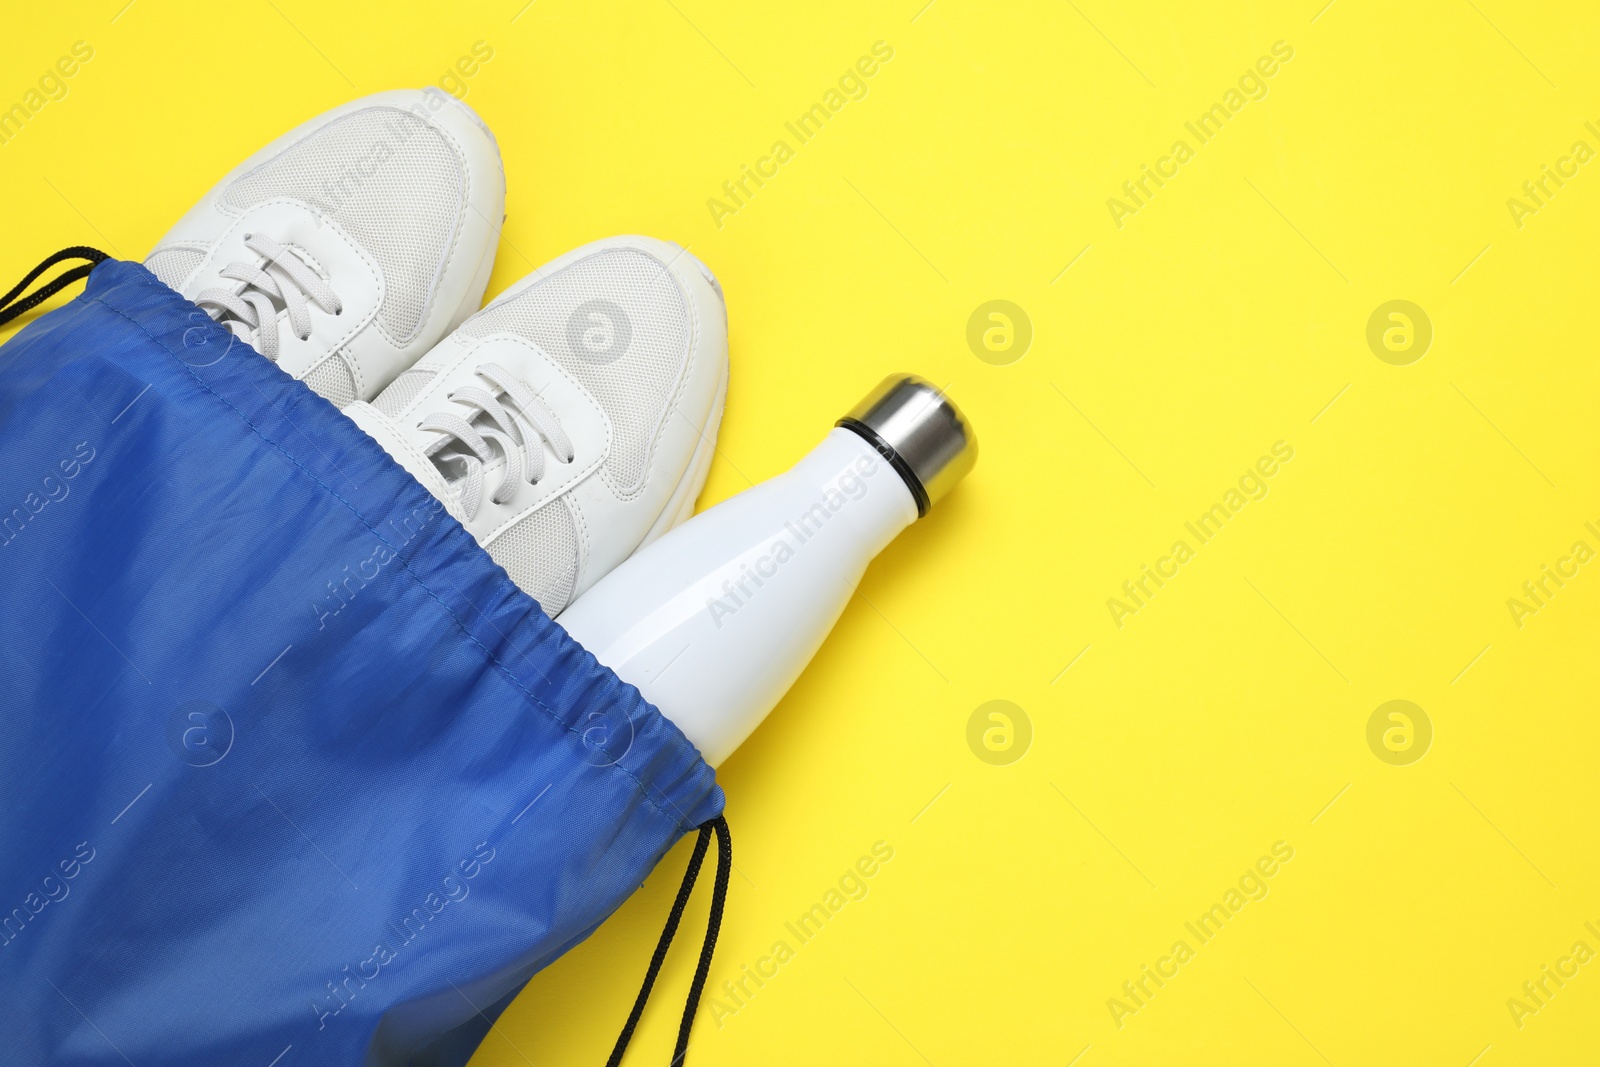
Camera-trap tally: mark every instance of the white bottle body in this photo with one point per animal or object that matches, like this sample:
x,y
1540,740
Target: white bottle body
x,y
715,620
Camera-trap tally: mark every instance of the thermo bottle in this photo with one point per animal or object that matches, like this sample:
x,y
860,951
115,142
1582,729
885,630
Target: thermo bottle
x,y
715,620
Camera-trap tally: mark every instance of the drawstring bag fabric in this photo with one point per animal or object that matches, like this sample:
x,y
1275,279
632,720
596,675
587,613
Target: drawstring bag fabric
x,y
291,773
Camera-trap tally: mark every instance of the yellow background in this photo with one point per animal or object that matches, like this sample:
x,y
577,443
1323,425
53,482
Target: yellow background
x,y
1229,313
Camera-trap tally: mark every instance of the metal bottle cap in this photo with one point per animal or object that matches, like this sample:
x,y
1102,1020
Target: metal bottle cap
x,y
920,432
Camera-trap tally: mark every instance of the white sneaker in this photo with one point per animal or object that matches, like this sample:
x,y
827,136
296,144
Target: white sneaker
x,y
573,419
350,246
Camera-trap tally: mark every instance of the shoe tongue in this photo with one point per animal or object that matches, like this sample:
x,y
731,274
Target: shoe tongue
x,y
408,453
450,462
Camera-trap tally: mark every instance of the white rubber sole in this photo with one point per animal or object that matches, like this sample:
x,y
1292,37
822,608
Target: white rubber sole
x,y
472,300
680,506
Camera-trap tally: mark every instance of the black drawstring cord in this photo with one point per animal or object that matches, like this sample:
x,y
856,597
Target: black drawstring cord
x,y
667,933
719,897
9,311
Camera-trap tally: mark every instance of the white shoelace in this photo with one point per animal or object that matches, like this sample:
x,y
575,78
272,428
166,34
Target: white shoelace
x,y
469,439
285,281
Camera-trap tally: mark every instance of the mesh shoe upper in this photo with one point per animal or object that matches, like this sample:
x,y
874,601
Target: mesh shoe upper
x,y
350,246
172,265
394,183
540,554
619,321
634,387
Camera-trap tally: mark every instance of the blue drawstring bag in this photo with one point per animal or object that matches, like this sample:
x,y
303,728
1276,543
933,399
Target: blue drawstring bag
x,y
290,772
